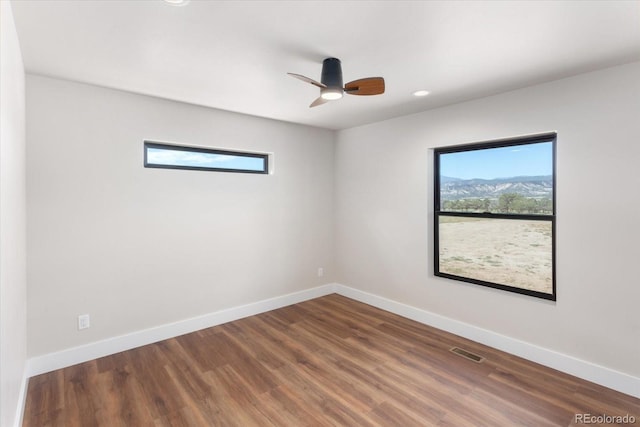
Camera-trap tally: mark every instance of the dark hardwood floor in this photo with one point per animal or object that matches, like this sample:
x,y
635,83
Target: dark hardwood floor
x,y
326,362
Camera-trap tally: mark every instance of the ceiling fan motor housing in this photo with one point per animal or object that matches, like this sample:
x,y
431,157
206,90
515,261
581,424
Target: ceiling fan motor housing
x,y
332,73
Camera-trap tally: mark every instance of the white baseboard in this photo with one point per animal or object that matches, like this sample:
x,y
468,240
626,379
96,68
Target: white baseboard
x,y
22,398
606,377
582,369
61,359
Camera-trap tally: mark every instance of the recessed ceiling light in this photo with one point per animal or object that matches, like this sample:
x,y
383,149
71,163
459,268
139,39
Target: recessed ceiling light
x,y
177,2
421,93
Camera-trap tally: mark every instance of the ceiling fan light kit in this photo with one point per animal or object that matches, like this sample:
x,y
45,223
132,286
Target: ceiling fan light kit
x,y
177,2
332,88
331,94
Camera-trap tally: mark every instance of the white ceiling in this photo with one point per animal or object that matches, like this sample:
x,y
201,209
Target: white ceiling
x,y
234,55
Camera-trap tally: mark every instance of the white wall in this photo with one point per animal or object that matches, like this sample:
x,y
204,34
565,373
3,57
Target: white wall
x,y
137,248
384,214
13,282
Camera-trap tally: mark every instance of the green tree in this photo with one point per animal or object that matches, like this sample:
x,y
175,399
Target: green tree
x,y
508,201
545,206
525,205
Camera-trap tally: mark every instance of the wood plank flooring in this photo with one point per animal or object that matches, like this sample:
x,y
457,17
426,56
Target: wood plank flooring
x,y
325,362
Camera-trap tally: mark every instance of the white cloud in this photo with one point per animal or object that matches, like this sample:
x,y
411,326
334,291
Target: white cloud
x,y
185,158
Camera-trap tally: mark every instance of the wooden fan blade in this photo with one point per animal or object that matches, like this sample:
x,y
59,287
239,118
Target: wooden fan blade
x,y
319,101
368,86
308,80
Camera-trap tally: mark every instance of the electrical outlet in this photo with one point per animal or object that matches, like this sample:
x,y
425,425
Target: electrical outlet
x,y
320,271
83,321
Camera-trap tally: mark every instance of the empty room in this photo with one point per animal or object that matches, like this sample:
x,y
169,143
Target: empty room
x,y
319,213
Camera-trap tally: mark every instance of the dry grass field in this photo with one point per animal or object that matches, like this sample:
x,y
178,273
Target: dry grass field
x,y
507,252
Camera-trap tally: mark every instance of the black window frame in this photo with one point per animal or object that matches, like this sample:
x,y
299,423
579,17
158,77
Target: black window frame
x,y
510,142
174,147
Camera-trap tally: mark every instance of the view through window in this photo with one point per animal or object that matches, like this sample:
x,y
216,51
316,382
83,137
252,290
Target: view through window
x,y
168,156
495,214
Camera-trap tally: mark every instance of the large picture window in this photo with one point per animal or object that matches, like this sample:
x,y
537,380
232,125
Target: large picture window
x,y
495,214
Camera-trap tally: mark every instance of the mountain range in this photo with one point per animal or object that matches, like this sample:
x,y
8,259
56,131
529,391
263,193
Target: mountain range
x,y
529,186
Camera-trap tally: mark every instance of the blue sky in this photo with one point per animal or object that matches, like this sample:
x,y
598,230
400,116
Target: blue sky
x,y
504,162
160,156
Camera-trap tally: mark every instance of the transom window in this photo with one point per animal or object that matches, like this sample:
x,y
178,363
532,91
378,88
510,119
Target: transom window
x,y
495,214
168,156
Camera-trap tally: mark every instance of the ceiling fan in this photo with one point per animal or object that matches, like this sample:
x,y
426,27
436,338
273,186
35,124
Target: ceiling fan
x,y
331,87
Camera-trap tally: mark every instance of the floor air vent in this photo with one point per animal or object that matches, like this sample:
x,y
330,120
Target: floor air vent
x,y
467,355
